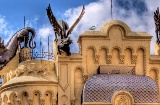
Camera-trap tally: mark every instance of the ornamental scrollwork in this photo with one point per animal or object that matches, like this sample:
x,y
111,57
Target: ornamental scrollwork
x,y
54,101
85,77
18,102
30,101
73,102
122,59
96,59
134,59
42,101
122,101
109,57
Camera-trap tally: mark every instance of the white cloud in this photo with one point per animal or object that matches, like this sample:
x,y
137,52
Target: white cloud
x,y
99,13
32,22
6,30
45,31
95,13
42,33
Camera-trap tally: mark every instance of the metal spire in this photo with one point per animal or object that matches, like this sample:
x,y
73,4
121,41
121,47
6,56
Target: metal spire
x,y
40,48
48,48
24,36
24,22
111,10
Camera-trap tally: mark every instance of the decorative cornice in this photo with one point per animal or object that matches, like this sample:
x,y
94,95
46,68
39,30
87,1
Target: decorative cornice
x,y
28,83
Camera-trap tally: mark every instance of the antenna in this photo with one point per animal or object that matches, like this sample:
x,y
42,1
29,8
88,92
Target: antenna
x,y
111,10
48,47
24,36
40,48
24,22
32,50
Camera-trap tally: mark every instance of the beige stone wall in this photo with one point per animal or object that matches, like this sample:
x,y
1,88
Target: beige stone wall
x,y
116,47
114,44
6,74
71,74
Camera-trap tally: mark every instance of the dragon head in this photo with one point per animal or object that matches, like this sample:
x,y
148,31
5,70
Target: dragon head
x,y
2,47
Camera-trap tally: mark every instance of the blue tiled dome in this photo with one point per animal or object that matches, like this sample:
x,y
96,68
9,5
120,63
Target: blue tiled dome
x,y
101,88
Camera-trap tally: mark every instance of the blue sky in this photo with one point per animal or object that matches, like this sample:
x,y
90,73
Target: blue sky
x,y
15,10
138,14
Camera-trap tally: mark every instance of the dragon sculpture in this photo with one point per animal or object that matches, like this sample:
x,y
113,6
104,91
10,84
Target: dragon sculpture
x,y
60,28
157,24
8,51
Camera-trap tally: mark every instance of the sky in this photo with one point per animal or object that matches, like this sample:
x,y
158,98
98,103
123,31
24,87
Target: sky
x,y
137,14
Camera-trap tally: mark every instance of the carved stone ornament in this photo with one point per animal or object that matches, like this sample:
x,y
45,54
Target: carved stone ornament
x,y
42,101
64,98
122,101
134,59
85,77
18,102
122,59
30,101
35,70
73,102
54,101
96,58
109,57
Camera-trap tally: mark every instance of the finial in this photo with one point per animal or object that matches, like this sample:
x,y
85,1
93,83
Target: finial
x,y
157,25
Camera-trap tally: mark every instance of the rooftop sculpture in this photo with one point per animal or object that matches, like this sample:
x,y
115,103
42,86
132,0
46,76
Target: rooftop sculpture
x,y
157,24
7,52
60,28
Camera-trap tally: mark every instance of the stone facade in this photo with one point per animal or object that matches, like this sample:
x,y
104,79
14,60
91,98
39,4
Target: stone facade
x,y
62,81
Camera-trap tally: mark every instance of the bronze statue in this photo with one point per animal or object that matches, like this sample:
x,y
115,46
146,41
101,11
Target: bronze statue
x,y
8,51
157,24
60,27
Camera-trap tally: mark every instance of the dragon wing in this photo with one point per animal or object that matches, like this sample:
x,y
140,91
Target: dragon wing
x,y
56,27
157,24
76,22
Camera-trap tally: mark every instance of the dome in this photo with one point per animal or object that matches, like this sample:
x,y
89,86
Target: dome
x,y
28,80
102,87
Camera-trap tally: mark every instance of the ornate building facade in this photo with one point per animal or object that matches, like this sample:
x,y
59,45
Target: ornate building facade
x,y
113,67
